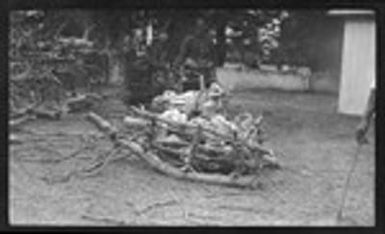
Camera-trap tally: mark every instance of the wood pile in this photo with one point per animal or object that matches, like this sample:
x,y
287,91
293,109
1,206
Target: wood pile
x,y
205,146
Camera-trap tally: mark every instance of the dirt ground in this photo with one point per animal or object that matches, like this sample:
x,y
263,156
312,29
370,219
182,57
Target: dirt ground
x,y
317,147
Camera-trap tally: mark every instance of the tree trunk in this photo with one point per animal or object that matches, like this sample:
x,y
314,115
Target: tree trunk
x,y
221,44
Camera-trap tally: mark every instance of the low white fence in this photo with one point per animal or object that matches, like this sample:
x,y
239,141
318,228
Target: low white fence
x,y
234,79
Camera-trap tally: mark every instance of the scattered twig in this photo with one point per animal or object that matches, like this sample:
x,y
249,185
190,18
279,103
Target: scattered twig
x,y
178,201
22,112
192,216
23,76
240,208
40,160
82,102
46,114
320,172
17,122
58,159
100,163
58,178
104,220
64,134
156,205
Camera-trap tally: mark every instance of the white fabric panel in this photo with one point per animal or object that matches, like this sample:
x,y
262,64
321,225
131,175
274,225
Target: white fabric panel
x,y
358,65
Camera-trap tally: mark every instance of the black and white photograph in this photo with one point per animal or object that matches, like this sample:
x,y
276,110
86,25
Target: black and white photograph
x,y
190,117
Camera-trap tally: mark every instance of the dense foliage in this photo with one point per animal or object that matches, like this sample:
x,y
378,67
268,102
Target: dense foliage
x,y
67,48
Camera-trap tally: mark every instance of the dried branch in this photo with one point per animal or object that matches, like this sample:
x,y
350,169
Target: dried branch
x,y
23,76
155,162
181,127
17,122
104,220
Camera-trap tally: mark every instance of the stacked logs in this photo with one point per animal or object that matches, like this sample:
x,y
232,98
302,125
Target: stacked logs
x,y
189,151
187,135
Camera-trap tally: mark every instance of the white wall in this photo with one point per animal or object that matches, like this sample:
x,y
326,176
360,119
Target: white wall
x,y
358,65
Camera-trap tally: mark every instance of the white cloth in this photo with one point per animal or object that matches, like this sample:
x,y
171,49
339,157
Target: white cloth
x,y
373,84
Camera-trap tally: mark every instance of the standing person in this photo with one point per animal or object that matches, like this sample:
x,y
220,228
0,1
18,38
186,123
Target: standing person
x,y
197,53
158,52
137,72
367,118
159,60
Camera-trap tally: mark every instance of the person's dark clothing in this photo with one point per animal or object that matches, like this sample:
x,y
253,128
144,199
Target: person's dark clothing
x,y
197,53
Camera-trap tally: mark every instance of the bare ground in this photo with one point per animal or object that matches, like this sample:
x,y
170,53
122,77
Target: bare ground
x,y
317,146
